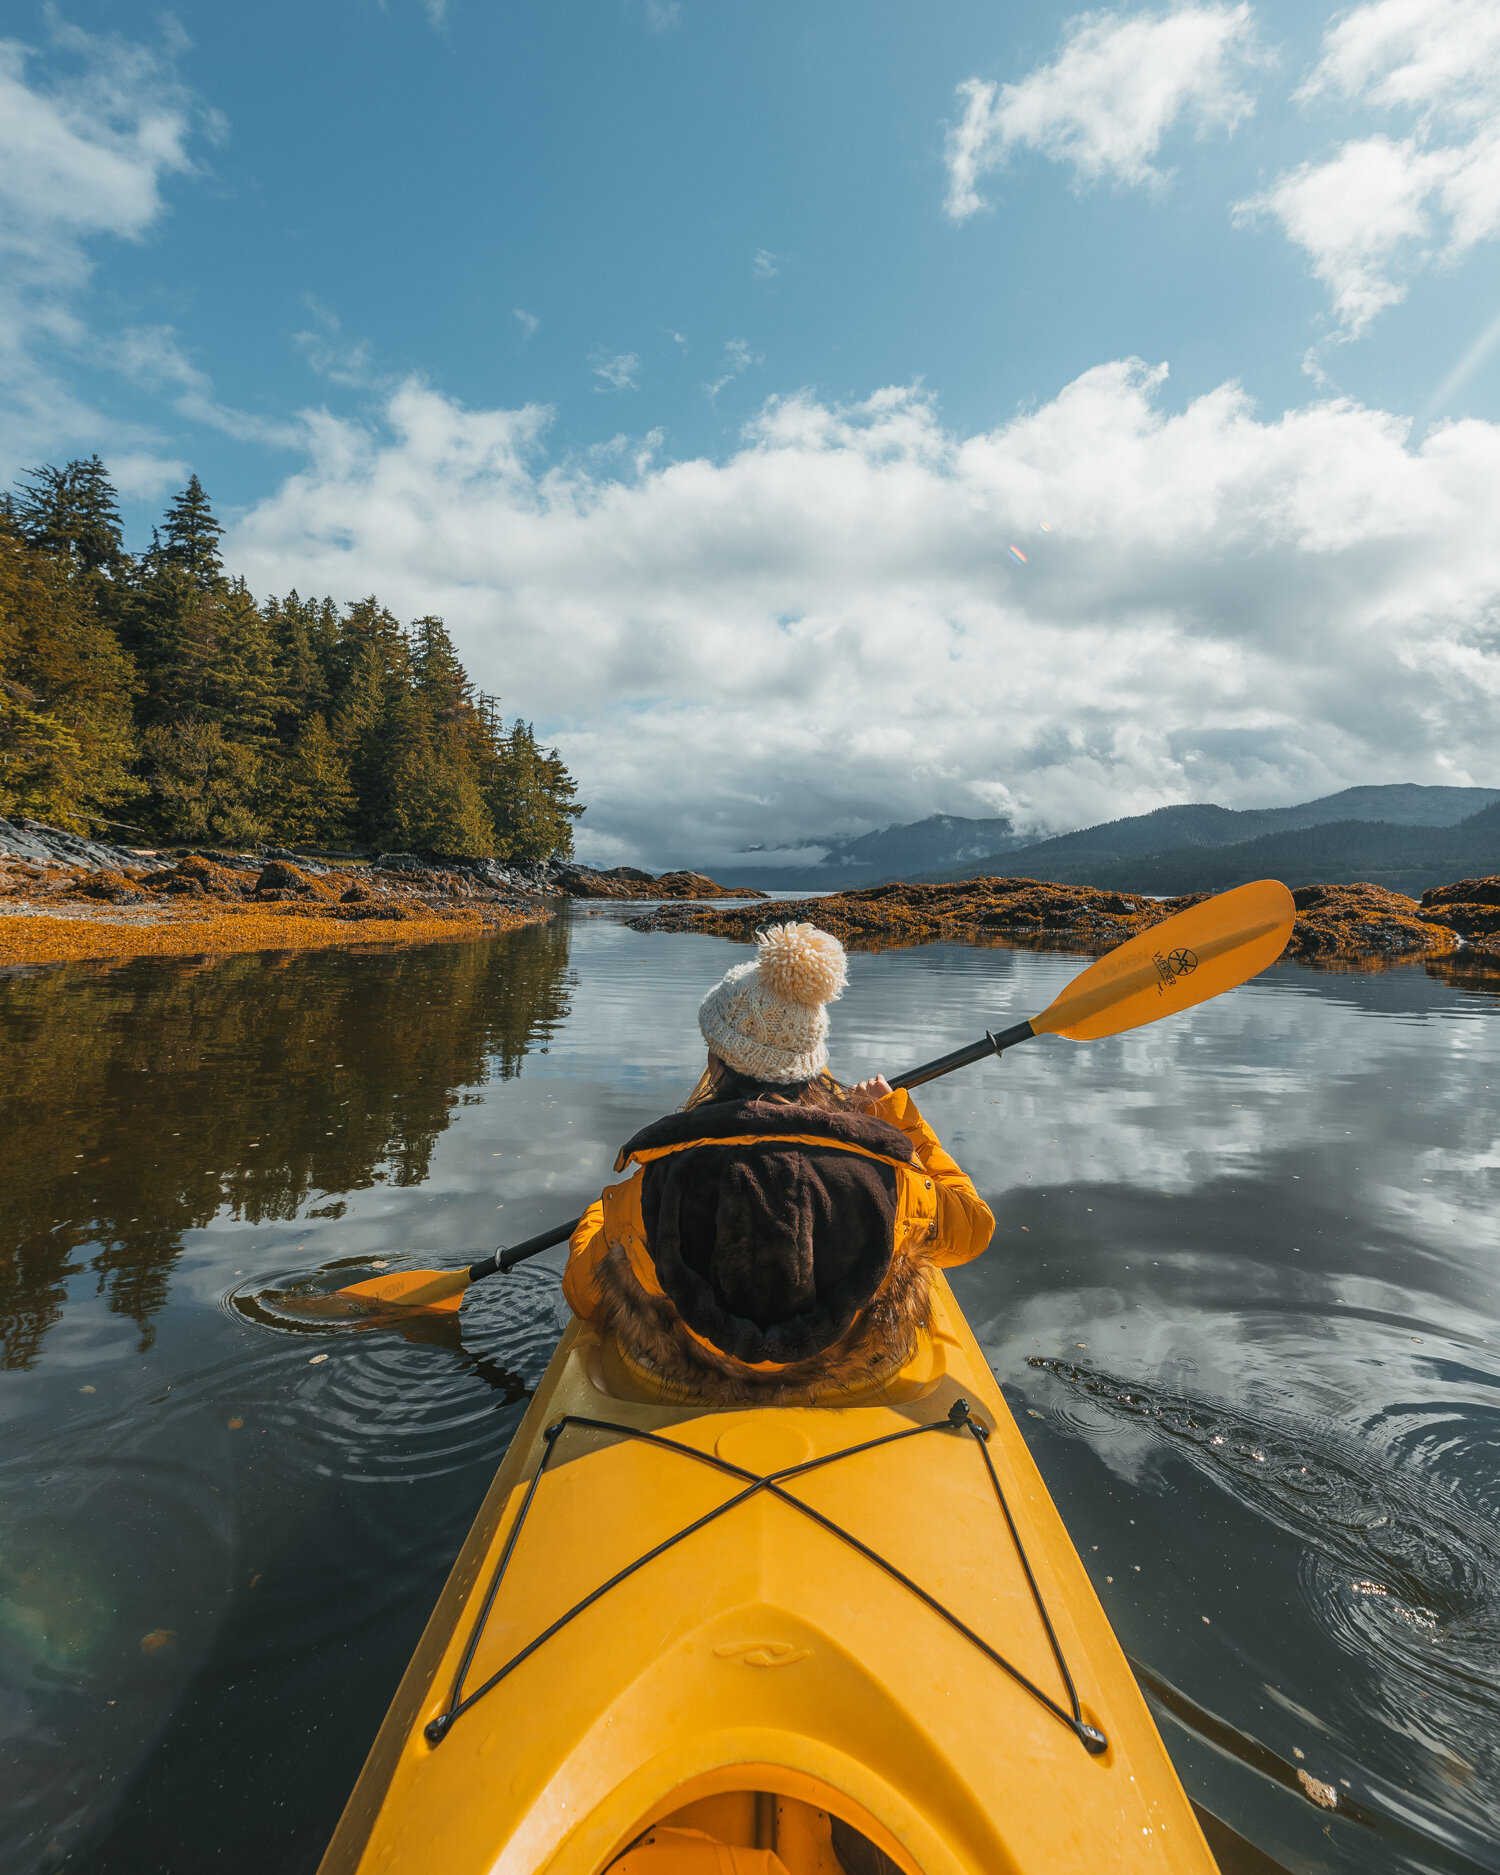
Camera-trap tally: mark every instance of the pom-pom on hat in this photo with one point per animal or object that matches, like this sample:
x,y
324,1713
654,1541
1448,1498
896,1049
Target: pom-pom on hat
x,y
766,1018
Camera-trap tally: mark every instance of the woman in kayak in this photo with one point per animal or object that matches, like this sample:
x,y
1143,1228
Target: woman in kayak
x,y
778,1231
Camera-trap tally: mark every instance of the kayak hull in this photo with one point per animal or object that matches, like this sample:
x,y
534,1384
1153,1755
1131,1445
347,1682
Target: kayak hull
x,y
852,1635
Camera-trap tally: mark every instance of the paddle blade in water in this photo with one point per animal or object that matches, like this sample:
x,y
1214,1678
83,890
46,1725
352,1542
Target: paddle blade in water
x,y
411,1289
1184,960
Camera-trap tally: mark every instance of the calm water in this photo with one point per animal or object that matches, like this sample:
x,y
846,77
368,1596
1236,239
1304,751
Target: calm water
x,y
1243,1298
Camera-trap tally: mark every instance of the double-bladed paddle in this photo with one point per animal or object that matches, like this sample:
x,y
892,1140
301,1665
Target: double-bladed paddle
x,y
1184,960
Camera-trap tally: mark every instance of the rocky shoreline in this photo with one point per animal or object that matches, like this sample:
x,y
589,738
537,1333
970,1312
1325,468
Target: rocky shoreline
x,y
64,897
1335,923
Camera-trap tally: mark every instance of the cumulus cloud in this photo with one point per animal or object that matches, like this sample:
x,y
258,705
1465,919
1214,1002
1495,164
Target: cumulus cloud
x,y
86,145
1117,87
616,371
825,630
1380,208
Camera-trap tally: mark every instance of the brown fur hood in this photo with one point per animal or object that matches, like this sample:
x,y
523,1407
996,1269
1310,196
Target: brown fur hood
x,y
769,1249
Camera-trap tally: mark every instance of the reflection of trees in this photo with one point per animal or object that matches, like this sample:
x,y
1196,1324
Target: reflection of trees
x,y
137,1103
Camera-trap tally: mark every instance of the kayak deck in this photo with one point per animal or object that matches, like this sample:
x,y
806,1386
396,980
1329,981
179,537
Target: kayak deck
x,y
837,1637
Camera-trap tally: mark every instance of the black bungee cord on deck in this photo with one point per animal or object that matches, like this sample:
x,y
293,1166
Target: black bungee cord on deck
x,y
959,1418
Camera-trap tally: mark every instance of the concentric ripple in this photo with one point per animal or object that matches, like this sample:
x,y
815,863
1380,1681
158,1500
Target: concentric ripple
x,y
372,1405
1394,1565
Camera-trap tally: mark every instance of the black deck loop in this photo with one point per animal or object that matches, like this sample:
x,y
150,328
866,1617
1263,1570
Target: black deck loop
x,y
958,1418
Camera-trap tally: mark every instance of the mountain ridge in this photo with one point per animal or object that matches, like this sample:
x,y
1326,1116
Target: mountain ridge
x,y
1105,853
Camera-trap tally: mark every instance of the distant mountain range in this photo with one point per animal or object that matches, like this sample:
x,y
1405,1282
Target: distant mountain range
x,y
1403,836
893,852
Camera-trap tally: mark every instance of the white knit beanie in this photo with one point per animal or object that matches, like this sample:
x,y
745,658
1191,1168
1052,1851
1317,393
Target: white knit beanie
x,y
766,1018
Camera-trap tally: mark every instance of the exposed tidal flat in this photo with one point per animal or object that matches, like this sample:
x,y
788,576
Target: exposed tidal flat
x,y
1242,1299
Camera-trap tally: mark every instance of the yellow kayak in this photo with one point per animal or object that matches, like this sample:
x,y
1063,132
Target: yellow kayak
x,y
844,1638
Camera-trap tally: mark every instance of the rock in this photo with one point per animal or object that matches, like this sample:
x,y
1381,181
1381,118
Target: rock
x,y
1470,907
399,862
289,881
1464,892
630,882
194,877
1334,922
44,845
1363,921
1064,917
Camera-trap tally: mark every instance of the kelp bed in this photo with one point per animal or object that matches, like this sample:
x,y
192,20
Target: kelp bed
x,y
57,915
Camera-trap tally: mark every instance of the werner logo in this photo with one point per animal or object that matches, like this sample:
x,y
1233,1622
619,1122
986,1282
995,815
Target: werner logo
x,y
1174,965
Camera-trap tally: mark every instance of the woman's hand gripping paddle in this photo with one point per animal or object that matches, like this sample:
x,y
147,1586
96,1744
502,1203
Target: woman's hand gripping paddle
x,y
1184,960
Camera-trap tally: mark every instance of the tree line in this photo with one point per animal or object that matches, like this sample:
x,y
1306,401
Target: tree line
x,y
151,694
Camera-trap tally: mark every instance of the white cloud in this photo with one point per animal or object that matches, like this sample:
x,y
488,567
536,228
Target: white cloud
x,y
140,476
618,371
662,15
1437,56
1119,85
764,264
825,631
153,357
85,148
528,321
1356,217
737,359
1381,208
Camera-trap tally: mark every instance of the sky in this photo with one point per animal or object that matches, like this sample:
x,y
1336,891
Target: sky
x,y
810,416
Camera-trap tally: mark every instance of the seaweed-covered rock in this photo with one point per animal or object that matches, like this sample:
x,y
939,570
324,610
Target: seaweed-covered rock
x,y
195,877
281,877
1469,906
1358,921
630,882
1028,911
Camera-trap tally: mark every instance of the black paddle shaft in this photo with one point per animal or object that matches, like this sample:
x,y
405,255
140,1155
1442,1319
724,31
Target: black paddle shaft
x,y
930,1071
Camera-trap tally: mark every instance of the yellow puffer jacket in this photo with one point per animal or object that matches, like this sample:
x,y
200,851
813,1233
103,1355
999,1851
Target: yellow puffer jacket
x,y
940,1221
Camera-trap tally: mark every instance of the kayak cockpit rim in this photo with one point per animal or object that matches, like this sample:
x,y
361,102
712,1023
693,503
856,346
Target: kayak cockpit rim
x,y
958,1419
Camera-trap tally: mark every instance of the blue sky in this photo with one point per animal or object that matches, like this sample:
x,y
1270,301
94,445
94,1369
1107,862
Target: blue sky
x,y
698,360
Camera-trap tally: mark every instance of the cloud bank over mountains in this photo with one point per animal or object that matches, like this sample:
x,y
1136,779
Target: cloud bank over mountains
x,y
827,629
824,626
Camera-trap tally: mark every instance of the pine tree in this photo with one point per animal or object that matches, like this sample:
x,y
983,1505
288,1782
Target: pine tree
x,y
192,537
314,800
66,737
205,789
75,512
531,799
439,678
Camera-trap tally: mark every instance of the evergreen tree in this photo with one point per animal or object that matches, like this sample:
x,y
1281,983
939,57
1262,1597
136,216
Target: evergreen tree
x,y
440,679
205,789
66,736
74,512
162,676
192,537
304,633
314,800
530,798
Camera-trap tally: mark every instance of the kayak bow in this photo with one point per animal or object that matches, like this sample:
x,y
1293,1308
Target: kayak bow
x,y
850,1637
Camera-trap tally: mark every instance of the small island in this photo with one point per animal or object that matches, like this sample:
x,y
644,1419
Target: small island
x,y
1335,923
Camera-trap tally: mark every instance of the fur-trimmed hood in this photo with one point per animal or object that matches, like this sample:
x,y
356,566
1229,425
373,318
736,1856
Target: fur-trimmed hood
x,y
770,1225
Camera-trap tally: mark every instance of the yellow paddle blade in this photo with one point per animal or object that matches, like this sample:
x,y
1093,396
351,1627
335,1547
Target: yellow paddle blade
x,y
1184,960
413,1289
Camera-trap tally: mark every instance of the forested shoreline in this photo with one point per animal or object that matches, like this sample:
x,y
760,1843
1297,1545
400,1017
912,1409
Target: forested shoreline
x,y
151,695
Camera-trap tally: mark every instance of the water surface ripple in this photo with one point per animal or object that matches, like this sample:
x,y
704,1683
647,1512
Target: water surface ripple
x,y
1243,1299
